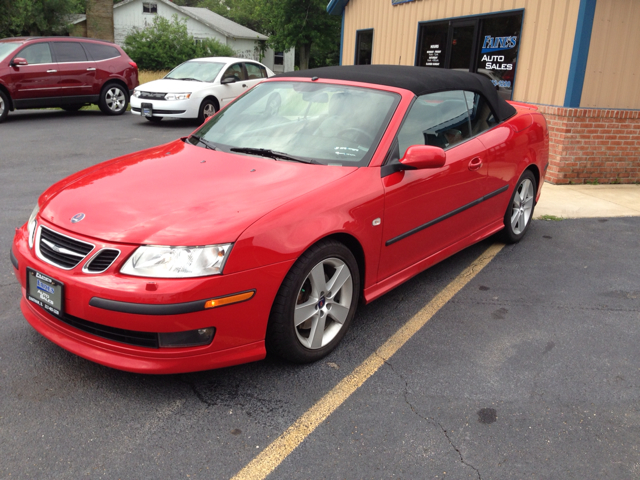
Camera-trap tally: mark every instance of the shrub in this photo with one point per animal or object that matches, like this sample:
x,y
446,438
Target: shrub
x,y
165,44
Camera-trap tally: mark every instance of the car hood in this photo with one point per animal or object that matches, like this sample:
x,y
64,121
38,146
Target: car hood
x,y
179,194
174,86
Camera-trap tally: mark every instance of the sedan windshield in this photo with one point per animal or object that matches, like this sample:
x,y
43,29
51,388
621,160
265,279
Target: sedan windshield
x,y
196,70
323,123
6,48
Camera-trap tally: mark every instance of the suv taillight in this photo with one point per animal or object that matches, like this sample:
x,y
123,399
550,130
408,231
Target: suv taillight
x,y
134,65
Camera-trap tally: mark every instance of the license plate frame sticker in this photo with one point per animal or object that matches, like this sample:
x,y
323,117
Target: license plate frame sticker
x,y
147,109
46,292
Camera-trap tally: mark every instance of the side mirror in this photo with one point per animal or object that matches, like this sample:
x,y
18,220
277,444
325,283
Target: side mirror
x,y
424,156
19,61
228,80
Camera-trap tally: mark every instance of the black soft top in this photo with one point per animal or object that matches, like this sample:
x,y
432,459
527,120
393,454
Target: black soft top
x,y
419,80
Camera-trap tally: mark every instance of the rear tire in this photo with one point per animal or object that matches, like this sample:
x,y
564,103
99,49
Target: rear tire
x,y
4,106
113,99
315,304
519,213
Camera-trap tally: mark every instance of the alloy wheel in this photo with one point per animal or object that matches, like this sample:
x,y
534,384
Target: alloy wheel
x,y
522,206
115,99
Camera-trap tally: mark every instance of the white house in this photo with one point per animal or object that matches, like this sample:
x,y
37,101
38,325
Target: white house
x,y
201,23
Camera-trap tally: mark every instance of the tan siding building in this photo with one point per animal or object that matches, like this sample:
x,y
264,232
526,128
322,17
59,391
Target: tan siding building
x,y
575,59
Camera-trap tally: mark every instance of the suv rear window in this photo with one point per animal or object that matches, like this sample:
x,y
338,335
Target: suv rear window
x,y
69,52
101,52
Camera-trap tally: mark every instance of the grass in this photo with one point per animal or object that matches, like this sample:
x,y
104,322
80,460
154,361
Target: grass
x,y
550,218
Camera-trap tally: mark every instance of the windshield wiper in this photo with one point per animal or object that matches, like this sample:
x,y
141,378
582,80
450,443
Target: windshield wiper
x,y
192,79
265,152
206,143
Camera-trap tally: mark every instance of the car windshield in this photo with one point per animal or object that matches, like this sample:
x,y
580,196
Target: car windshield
x,y
6,48
195,70
323,123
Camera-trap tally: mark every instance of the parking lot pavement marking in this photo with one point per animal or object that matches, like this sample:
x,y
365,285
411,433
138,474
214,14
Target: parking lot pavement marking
x,y
275,453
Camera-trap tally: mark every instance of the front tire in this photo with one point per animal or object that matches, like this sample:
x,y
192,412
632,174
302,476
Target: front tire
x,y
520,210
315,304
4,106
208,108
113,99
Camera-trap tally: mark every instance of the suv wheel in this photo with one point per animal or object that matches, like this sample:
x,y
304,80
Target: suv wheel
x,y
113,99
4,106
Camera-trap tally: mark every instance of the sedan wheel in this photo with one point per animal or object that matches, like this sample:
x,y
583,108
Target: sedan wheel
x,y
207,109
315,304
113,100
520,211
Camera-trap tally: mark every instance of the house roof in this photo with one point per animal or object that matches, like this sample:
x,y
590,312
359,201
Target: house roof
x,y
230,28
336,7
212,20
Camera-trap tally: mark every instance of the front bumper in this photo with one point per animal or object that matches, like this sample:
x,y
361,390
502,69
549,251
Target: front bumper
x,y
240,327
163,108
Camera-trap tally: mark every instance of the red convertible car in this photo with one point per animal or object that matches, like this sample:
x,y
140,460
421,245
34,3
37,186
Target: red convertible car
x,y
262,231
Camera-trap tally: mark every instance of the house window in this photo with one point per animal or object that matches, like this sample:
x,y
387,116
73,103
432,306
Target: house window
x,y
278,58
148,7
486,44
364,47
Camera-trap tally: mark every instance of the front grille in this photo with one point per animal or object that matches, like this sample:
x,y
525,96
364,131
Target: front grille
x,y
60,250
101,261
160,112
151,96
120,335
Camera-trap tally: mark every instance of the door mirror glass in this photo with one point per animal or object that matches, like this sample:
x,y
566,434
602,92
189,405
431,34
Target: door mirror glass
x,y
19,61
228,80
424,156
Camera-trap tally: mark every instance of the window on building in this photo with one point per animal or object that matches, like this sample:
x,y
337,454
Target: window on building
x,y
487,45
278,58
364,47
149,7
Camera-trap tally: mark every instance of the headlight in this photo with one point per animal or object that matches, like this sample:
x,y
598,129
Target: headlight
x,y
32,224
136,93
177,96
177,262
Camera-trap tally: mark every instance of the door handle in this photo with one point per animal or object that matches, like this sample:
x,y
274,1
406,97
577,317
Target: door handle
x,y
91,69
475,164
244,85
52,71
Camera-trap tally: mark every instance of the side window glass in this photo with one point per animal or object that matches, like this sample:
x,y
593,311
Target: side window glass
x,y
69,52
254,72
36,53
235,71
101,52
480,115
438,119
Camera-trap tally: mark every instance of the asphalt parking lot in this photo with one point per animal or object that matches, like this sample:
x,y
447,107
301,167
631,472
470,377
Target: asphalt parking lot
x,y
532,370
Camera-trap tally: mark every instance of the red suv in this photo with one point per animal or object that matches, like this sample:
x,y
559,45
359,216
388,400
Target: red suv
x,y
66,72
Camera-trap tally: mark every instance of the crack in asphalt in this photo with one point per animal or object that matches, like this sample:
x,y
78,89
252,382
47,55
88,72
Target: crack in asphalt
x,y
432,421
196,392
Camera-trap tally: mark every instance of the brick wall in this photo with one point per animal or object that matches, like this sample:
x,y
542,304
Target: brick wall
x,y
593,145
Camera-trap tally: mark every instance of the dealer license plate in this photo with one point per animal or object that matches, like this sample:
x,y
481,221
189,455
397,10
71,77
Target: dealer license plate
x,y
147,109
45,291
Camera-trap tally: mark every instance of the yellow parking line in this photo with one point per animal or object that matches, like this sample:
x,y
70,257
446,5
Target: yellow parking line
x,y
280,448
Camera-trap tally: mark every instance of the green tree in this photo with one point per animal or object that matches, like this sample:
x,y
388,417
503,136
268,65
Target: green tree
x,y
36,17
165,44
301,24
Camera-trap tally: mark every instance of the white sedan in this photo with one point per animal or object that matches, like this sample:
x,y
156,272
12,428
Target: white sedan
x,y
197,88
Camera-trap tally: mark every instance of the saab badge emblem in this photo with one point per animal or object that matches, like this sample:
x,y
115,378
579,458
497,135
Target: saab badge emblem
x,y
77,218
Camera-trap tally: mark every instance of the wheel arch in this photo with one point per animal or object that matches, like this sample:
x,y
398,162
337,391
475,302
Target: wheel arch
x,y
536,173
118,81
215,99
354,245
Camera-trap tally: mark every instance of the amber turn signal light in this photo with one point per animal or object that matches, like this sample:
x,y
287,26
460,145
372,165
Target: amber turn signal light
x,y
235,298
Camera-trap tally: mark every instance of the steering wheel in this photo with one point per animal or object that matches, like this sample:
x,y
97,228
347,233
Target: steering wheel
x,y
345,134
